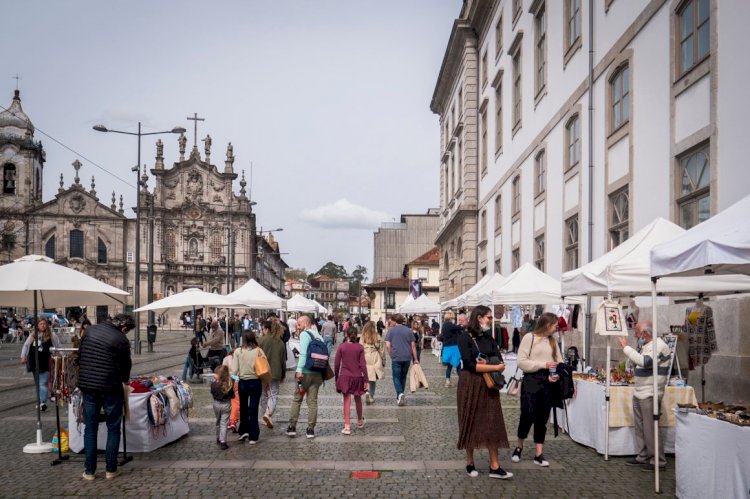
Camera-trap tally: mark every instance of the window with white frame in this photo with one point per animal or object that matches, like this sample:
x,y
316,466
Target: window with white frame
x,y
694,32
539,252
571,243
483,149
484,69
540,21
517,88
498,212
619,218
499,36
540,173
573,141
516,191
573,22
694,195
515,257
620,97
483,226
498,117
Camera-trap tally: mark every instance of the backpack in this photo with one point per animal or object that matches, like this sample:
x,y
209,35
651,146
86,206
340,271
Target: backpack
x,y
566,384
317,355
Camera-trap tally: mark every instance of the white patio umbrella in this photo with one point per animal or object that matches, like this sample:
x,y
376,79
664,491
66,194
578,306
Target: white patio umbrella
x,y
299,303
34,281
422,305
253,295
192,297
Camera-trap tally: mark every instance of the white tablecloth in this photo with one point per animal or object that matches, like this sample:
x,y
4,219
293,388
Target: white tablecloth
x,y
712,458
588,412
140,436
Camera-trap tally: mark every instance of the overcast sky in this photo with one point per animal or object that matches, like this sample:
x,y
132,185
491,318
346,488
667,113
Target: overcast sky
x,y
329,100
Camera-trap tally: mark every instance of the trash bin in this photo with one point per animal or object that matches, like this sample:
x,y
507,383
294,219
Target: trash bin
x,y
151,335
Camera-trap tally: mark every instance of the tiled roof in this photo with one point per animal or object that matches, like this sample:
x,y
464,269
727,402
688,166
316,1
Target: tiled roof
x,y
431,257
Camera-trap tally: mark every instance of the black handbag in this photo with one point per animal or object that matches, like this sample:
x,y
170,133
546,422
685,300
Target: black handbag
x,y
494,380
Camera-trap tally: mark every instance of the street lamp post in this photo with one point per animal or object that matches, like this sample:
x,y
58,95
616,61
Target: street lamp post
x,y
137,284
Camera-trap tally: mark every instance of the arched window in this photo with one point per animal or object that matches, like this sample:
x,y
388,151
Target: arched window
x,y
9,179
101,252
193,248
170,250
170,290
76,243
49,248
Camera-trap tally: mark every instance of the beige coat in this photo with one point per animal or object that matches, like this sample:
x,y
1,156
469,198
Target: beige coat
x,y
375,359
417,378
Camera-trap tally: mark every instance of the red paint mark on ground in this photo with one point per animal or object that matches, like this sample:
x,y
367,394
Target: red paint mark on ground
x,y
359,475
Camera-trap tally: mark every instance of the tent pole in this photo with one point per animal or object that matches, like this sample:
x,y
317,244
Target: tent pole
x,y
655,363
606,397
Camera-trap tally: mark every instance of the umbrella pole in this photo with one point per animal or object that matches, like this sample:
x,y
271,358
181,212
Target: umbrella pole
x,y
655,364
38,447
606,397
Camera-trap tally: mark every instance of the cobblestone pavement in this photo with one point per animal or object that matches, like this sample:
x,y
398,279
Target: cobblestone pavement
x,y
413,447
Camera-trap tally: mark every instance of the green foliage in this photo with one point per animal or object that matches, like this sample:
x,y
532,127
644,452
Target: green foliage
x,y
334,271
296,274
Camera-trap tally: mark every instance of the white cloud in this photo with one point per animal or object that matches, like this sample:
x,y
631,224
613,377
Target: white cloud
x,y
344,214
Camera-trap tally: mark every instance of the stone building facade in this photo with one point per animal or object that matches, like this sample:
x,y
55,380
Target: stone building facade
x,y
203,232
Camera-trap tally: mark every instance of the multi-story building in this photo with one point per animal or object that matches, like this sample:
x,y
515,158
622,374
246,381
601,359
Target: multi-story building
x,y
565,129
555,177
397,243
333,293
270,264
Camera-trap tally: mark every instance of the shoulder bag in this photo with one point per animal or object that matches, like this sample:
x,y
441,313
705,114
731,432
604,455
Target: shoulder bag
x,y
262,368
494,380
514,385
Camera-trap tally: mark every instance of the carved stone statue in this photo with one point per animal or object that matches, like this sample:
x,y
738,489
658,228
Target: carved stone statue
x,y
207,148
230,152
159,149
183,142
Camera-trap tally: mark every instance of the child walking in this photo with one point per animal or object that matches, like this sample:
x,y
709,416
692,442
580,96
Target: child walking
x,y
222,390
351,377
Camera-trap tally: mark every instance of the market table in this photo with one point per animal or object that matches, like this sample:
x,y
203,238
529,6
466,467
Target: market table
x,y
509,359
141,435
587,417
712,457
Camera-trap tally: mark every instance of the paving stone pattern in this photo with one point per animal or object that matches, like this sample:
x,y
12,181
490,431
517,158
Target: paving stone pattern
x,y
413,447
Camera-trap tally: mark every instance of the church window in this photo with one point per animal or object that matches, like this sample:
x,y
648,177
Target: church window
x,y
38,184
102,252
49,248
193,248
215,245
9,179
169,244
76,244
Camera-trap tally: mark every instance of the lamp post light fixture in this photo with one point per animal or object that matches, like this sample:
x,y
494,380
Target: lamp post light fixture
x,y
138,184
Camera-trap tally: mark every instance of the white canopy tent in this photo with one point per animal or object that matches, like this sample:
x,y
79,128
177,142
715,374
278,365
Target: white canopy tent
x,y
253,295
715,249
321,308
718,246
454,302
626,270
422,305
299,303
191,297
528,285
477,295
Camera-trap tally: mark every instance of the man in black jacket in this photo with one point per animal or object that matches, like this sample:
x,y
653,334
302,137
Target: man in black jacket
x,y
104,365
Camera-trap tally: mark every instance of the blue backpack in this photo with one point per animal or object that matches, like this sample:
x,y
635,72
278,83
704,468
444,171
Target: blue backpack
x,y
317,355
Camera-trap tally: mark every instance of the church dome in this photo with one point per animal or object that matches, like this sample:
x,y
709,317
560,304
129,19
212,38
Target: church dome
x,y
14,121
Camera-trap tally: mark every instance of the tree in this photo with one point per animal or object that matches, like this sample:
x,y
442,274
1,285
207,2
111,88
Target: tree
x,y
334,271
360,273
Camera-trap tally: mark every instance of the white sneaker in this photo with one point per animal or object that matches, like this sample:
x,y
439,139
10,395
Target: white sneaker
x,y
400,400
447,382
540,461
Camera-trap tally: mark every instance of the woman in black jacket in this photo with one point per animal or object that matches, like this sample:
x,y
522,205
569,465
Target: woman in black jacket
x,y
480,415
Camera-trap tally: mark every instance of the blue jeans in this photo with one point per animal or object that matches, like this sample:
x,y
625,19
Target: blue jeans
x,y
43,381
187,368
449,369
328,340
250,392
399,370
92,405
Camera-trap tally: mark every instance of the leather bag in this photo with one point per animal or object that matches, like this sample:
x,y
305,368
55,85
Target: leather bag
x,y
262,367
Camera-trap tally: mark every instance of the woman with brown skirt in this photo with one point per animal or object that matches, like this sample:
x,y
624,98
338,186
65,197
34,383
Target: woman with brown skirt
x,y
480,415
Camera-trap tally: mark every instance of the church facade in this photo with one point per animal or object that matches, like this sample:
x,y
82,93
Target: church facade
x,y
200,232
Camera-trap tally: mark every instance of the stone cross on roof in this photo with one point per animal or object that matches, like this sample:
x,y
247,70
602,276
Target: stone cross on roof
x,y
195,119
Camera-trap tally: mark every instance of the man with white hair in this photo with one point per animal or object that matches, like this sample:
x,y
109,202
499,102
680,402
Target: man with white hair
x,y
643,393
308,382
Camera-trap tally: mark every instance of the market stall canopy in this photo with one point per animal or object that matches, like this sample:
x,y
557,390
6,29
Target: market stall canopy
x,y
188,298
55,286
452,303
299,303
422,305
321,308
626,270
253,295
480,296
720,245
529,286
